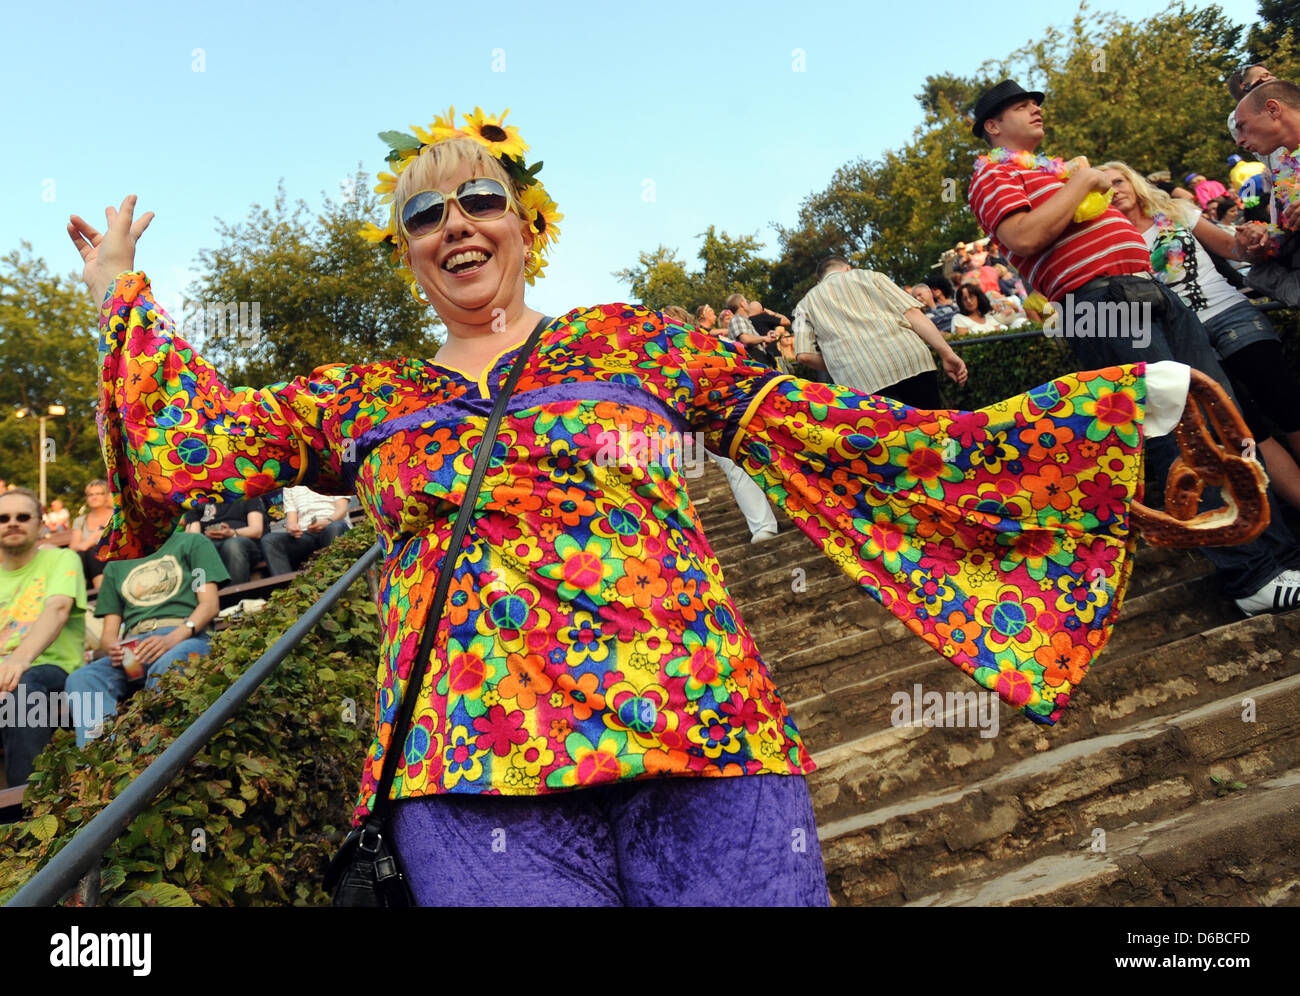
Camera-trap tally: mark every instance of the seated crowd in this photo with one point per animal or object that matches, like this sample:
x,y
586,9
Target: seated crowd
x,y
80,660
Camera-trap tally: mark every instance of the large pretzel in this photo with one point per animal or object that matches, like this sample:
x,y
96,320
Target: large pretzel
x,y
1230,467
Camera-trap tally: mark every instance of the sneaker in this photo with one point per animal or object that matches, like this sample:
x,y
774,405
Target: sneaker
x,y
763,534
1279,595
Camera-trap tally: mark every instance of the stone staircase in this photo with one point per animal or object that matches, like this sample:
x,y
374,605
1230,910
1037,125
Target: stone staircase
x,y
1172,779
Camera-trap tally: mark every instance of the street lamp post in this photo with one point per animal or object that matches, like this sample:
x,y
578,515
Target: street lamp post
x,y
52,410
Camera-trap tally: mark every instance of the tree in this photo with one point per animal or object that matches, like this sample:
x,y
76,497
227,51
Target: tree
x,y
658,280
899,213
896,215
313,292
1276,27
1100,99
48,355
730,266
1151,92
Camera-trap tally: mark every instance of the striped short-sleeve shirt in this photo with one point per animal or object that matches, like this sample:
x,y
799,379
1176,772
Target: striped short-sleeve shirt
x,y
1105,246
856,319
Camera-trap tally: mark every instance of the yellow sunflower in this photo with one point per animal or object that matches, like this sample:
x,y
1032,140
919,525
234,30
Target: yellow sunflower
x,y
491,131
373,233
385,188
539,272
442,128
542,215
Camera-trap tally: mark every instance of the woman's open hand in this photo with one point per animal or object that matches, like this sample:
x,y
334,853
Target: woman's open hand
x,y
109,253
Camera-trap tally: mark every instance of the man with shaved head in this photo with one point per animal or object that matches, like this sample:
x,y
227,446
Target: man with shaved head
x,y
1268,117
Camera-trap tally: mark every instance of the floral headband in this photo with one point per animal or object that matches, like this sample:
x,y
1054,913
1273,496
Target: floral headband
x,y
506,146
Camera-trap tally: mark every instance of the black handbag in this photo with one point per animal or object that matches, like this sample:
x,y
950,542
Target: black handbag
x,y
366,872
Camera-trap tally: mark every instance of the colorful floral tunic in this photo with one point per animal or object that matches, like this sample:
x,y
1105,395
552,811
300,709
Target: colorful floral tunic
x,y
588,635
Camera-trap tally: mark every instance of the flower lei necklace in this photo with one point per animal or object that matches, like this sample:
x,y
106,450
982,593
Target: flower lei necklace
x,y
1168,257
1090,207
1286,188
505,145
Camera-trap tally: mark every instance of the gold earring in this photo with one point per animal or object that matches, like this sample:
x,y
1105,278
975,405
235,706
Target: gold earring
x,y
532,263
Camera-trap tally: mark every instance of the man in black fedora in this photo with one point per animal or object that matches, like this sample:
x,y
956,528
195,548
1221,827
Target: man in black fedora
x,y
1023,201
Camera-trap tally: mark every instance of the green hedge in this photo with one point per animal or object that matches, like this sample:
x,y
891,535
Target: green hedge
x,y
271,793
999,370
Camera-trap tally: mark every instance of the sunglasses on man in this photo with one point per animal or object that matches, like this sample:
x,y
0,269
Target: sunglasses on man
x,y
1264,77
480,198
5,517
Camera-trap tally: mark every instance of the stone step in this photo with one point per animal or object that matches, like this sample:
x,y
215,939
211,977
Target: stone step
x,y
769,567
1158,567
1044,805
1237,850
780,617
864,759
824,658
826,612
858,660
821,669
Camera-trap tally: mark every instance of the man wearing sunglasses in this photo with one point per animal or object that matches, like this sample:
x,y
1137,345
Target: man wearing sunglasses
x,y
42,626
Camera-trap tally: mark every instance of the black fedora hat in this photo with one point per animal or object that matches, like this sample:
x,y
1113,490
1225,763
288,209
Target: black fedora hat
x,y
992,101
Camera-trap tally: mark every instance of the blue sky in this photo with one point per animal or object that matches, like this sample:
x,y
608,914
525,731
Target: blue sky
x,y
704,104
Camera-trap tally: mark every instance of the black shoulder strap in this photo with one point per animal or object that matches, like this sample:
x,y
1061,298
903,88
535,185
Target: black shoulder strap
x,y
465,515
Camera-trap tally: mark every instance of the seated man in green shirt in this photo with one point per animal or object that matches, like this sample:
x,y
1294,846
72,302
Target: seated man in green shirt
x,y
42,627
163,603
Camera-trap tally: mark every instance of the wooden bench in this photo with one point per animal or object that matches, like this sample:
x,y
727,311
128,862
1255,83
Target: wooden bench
x,y
233,593
11,802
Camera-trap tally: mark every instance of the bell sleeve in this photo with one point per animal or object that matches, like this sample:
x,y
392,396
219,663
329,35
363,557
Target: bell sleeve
x,y
1000,537
173,436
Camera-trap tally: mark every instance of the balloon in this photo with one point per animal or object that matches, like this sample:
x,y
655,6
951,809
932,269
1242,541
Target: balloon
x,y
1094,204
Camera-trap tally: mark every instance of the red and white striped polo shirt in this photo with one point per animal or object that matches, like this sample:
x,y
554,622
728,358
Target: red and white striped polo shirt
x,y
1105,246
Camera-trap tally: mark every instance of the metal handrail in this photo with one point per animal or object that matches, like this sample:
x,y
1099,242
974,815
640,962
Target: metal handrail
x,y
88,845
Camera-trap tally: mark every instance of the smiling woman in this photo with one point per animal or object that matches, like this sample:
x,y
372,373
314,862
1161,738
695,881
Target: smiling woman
x,y
596,724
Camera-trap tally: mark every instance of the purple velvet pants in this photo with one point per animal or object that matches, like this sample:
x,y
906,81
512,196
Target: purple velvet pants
x,y
741,841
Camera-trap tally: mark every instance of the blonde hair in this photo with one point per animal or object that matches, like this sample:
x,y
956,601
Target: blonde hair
x,y
1152,200
434,162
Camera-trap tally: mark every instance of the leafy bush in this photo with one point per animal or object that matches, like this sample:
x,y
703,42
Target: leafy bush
x,y
999,370
272,792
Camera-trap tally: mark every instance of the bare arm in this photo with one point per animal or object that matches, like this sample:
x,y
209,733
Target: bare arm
x,y
813,360
112,637
254,528
1215,239
151,648
1252,242
207,609
1030,232
54,616
953,365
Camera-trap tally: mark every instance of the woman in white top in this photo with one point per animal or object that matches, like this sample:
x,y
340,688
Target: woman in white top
x,y
977,313
1250,350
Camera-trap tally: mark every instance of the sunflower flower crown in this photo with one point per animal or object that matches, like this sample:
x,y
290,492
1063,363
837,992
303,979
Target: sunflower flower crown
x,y
500,139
